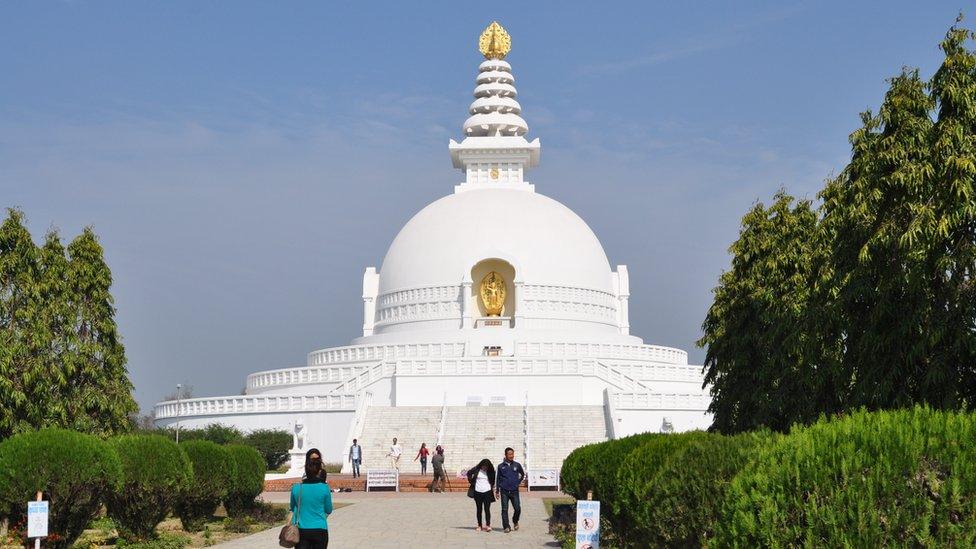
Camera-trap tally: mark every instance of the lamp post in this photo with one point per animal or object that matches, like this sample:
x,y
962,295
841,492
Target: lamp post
x,y
179,392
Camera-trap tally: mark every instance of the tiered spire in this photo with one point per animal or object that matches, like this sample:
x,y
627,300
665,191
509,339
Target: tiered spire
x,y
495,112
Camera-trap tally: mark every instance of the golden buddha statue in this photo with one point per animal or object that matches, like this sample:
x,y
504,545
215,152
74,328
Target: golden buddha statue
x,y
492,292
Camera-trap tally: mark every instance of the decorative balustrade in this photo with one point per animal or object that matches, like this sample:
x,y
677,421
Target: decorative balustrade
x,y
659,401
249,404
659,372
602,350
369,353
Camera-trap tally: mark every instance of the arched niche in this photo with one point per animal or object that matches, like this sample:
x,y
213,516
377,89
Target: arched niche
x,y
507,271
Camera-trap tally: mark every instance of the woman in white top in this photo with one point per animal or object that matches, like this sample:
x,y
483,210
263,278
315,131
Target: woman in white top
x,y
482,489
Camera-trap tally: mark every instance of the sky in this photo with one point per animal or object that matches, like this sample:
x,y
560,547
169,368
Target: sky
x,y
243,162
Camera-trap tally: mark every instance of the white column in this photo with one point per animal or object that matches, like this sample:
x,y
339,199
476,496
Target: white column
x,y
623,297
466,305
519,299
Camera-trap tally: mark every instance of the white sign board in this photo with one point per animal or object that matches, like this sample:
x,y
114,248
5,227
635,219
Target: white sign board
x,y
587,524
543,477
382,478
37,519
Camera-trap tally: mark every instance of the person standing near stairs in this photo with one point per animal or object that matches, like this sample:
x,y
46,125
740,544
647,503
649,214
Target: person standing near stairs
x,y
355,457
509,476
422,456
395,451
439,476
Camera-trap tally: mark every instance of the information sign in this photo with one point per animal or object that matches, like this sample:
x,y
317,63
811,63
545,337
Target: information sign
x,y
382,478
543,477
37,519
587,524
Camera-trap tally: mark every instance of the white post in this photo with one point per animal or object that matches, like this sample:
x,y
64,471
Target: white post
x,y
179,391
519,299
466,304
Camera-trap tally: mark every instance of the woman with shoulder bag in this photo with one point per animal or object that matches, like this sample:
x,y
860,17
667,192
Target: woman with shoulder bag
x,y
482,489
311,503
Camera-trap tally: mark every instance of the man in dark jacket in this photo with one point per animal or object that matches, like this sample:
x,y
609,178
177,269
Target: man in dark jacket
x,y
508,477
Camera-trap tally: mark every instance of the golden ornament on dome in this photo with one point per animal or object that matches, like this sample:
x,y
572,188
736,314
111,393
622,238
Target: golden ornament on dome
x,y
492,292
495,43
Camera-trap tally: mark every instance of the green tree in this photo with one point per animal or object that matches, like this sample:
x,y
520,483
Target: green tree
x,y
760,363
62,363
100,396
20,368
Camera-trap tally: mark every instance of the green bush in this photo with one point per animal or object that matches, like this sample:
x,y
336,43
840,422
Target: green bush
x,y
273,445
74,470
575,475
215,432
248,481
636,479
155,471
685,501
213,471
904,478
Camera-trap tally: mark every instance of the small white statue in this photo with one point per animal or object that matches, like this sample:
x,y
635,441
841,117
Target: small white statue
x,y
298,435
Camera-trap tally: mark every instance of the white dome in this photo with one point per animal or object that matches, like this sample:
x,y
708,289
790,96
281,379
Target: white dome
x,y
543,240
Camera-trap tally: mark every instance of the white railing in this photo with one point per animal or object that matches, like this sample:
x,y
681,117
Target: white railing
x,y
301,375
654,353
525,428
611,414
250,404
658,372
369,353
356,428
366,377
659,401
443,425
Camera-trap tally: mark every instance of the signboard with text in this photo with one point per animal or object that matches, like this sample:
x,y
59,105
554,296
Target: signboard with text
x,y
543,477
587,524
37,512
382,478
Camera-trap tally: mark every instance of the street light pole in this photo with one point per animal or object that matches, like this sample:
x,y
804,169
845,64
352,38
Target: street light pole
x,y
179,391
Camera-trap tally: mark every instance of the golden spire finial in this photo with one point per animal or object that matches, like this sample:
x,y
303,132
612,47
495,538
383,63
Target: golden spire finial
x,y
495,43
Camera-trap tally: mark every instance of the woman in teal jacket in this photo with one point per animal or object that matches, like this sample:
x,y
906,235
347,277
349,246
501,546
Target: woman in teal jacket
x,y
311,503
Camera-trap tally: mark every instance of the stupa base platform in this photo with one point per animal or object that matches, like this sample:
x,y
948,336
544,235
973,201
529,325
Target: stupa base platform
x,y
408,483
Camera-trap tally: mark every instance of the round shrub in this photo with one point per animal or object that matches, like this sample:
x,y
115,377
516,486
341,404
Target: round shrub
x,y
213,471
685,502
896,478
635,481
248,481
74,470
155,471
606,460
273,445
575,474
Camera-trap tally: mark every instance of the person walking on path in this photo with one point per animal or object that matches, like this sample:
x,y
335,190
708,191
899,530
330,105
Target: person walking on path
x,y
311,503
355,457
394,454
510,475
439,476
422,454
482,486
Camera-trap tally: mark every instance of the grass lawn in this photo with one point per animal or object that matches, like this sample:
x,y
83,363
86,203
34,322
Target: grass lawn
x,y
549,502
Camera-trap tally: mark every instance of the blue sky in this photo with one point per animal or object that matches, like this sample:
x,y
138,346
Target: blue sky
x,y
243,162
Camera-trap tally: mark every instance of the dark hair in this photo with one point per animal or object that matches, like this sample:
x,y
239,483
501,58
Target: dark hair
x,y
313,468
509,449
423,444
486,464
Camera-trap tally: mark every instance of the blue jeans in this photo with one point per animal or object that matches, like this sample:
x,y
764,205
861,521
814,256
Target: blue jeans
x,y
355,467
513,496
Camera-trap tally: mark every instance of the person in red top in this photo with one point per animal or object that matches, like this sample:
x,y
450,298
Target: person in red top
x,y
422,455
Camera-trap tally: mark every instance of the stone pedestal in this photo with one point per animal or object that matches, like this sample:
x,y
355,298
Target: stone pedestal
x,y
297,468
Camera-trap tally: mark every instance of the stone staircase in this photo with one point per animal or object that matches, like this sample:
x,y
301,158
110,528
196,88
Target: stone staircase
x,y
555,431
472,433
412,425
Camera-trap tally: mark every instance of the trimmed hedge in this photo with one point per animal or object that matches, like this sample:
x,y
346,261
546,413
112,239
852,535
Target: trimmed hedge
x,y
75,471
685,502
636,478
213,471
155,471
576,474
895,478
248,480
273,445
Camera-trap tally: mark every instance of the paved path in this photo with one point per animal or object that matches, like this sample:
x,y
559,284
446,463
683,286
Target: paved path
x,y
415,520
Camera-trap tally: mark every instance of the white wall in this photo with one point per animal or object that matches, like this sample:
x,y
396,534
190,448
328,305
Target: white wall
x,y
544,390
326,430
630,422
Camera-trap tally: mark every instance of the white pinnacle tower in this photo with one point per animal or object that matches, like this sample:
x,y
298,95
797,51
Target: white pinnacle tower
x,y
494,152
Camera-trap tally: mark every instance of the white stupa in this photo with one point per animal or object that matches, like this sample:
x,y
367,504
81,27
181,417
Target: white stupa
x,y
495,320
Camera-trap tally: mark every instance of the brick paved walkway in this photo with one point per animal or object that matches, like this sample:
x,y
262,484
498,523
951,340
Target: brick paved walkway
x,y
384,519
